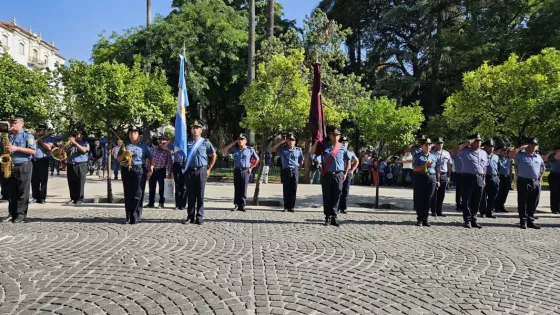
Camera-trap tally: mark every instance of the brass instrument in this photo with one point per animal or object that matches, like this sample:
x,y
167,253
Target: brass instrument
x,y
5,158
59,153
126,157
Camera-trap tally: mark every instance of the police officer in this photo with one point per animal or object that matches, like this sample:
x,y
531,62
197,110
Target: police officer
x,y
336,165
199,150
426,166
504,174
490,191
529,167
475,162
292,161
77,167
180,178
414,149
242,155
41,161
134,179
458,162
444,161
343,204
22,148
553,158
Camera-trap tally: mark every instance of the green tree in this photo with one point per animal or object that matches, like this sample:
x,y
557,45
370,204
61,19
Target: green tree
x,y
277,101
110,96
511,101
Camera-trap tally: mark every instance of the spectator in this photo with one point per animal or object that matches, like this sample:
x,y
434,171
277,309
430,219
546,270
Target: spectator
x,y
316,168
267,161
115,155
365,167
407,169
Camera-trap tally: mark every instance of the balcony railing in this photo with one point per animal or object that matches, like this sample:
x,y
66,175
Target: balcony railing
x,y
33,61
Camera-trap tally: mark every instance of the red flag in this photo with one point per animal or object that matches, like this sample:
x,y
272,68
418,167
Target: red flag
x,y
316,117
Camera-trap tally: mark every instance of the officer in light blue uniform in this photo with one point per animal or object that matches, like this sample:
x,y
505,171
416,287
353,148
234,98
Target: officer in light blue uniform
x,y
475,163
335,167
458,162
41,161
77,167
242,155
292,161
426,166
490,191
444,161
504,174
553,159
343,204
198,170
21,150
134,179
529,167
414,150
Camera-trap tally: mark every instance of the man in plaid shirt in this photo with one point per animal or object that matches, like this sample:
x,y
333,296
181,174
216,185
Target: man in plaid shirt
x,y
163,167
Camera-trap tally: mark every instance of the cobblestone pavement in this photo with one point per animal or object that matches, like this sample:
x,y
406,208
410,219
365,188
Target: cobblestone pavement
x,y
68,260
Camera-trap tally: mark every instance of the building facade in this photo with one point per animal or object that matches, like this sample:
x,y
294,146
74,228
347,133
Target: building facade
x,y
28,48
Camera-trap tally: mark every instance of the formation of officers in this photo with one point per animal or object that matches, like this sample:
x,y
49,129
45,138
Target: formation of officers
x,y
482,173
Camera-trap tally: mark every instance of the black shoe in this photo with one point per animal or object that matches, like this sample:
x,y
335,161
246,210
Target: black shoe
x,y
198,222
79,202
327,221
556,212
491,216
343,211
476,225
419,223
189,220
126,222
71,202
160,207
243,210
442,215
234,208
425,223
149,206
8,219
290,210
467,225
523,226
184,221
19,219
32,201
533,226
285,210
42,202
535,218
334,222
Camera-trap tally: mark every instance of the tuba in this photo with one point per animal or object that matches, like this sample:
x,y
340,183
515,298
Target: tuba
x,y
126,157
5,158
59,153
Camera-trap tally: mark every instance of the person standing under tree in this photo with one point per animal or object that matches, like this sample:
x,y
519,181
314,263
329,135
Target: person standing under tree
x,y
242,155
553,158
292,161
426,180
343,203
76,169
40,175
163,168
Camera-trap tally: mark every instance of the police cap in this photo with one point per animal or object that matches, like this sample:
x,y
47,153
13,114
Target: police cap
x,y
242,136
439,140
488,143
476,137
532,141
197,123
291,136
134,128
334,130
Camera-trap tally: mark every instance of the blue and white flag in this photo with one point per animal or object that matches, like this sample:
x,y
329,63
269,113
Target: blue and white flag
x,y
181,115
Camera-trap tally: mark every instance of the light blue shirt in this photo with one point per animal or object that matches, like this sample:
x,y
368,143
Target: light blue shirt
x,y
474,161
290,158
415,150
75,156
23,140
339,161
529,166
422,158
504,166
242,158
140,152
458,161
200,157
352,156
444,159
41,151
493,164
554,164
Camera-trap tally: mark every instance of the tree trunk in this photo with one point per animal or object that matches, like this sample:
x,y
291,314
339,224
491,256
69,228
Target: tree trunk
x,y
264,146
251,58
109,160
270,18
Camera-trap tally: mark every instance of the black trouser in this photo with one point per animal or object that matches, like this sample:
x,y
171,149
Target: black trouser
x,y
196,183
19,189
158,177
459,190
133,180
289,184
424,189
554,185
472,193
436,205
39,179
489,194
528,194
331,184
503,191
76,175
180,186
5,186
412,176
240,182
54,164
343,203
365,175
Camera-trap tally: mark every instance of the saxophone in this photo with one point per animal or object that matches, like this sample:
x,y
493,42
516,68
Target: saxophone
x,y
126,157
5,158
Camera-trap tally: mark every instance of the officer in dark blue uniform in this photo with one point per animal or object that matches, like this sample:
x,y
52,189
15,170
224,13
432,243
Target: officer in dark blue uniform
x,y
336,165
458,162
77,167
199,150
41,161
242,155
490,191
134,179
553,158
444,161
504,174
180,178
414,149
21,149
343,204
292,161
426,166
475,162
529,167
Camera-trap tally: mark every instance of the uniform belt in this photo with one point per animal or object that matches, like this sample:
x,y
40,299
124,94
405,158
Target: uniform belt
x,y
479,175
196,168
241,168
527,179
290,169
71,163
491,176
334,173
20,164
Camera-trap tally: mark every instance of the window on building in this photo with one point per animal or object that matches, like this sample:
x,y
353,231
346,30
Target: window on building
x,y
21,48
46,60
5,40
35,54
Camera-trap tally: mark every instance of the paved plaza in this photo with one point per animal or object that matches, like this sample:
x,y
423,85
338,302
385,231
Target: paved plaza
x,y
80,260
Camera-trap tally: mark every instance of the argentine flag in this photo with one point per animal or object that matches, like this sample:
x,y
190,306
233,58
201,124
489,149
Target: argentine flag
x,y
180,117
